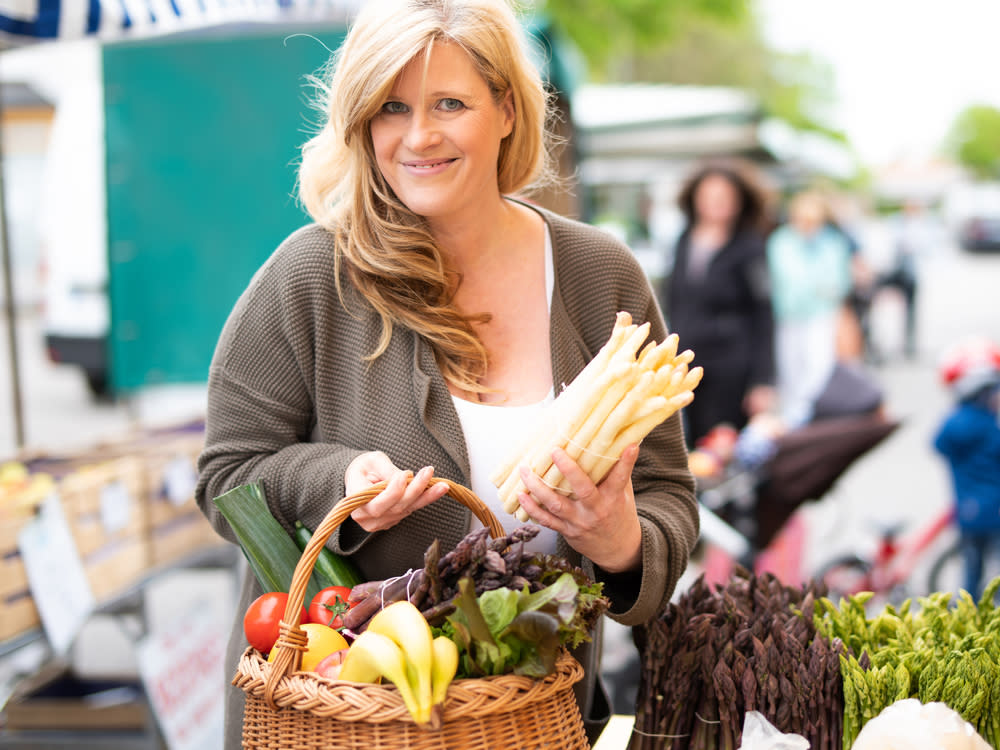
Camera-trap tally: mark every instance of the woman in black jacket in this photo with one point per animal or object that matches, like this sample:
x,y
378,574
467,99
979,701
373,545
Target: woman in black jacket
x,y
717,297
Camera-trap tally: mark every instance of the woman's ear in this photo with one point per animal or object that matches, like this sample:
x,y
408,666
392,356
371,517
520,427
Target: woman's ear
x,y
509,112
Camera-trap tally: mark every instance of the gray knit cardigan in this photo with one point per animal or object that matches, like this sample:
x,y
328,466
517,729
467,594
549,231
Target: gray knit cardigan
x,y
292,400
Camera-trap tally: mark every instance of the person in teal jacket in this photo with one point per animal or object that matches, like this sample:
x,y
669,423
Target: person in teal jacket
x,y
809,264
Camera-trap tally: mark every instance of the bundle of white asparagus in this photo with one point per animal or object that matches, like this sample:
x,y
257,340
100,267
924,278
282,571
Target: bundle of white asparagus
x,y
616,400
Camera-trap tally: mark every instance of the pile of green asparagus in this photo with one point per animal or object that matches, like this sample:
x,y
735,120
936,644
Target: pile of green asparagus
x,y
945,649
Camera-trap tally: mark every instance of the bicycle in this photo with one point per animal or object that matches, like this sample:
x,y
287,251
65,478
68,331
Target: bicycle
x,y
889,571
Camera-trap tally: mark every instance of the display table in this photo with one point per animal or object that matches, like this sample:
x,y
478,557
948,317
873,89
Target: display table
x,y
114,714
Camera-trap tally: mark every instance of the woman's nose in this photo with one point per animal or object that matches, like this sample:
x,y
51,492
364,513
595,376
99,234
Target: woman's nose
x,y
422,133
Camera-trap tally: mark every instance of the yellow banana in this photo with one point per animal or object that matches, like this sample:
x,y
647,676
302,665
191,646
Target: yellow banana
x,y
374,655
403,624
445,666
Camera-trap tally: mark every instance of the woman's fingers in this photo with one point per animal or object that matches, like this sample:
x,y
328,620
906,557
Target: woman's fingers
x,y
592,515
420,492
405,492
367,469
581,486
621,472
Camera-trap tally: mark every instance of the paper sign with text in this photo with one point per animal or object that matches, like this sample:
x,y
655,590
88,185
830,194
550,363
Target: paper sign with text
x,y
182,669
56,575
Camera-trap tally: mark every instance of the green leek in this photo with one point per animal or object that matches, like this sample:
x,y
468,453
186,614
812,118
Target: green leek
x,y
268,548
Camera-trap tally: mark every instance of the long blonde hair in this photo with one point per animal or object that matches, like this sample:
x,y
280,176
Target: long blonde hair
x,y
385,249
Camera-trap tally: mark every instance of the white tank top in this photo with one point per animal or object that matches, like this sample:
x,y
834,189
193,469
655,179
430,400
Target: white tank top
x,y
493,431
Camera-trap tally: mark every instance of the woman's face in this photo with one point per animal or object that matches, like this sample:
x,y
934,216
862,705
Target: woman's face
x,y
807,216
716,200
437,137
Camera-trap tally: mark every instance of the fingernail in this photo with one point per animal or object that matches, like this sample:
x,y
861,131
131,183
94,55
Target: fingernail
x,y
523,472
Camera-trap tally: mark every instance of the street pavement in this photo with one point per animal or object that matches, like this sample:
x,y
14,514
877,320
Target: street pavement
x,y
901,480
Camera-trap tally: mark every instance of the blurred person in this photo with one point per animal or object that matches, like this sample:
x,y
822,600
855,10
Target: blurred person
x,y
420,325
853,329
912,237
969,440
810,269
718,298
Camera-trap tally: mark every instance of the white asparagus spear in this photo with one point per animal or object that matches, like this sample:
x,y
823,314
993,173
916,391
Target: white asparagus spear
x,y
574,391
635,432
620,396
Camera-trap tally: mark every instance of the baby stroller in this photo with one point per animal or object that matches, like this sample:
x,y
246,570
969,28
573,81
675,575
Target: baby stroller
x,y
757,498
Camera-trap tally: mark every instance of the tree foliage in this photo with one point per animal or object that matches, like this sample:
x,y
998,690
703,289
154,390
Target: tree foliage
x,y
608,30
697,42
974,140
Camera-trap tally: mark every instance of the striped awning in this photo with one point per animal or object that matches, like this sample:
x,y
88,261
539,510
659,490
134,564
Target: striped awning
x,y
25,21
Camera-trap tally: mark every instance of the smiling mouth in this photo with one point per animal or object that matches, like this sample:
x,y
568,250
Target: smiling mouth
x,y
428,164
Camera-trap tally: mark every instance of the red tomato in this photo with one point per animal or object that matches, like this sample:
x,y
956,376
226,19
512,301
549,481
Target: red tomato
x,y
328,605
261,621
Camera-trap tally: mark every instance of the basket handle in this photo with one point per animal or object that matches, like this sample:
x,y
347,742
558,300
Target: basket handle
x,y
291,638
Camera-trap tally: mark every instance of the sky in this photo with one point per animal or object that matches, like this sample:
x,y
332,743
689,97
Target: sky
x,y
903,69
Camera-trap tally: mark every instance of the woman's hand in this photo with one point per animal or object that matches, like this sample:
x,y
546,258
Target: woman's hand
x,y
759,400
404,493
598,521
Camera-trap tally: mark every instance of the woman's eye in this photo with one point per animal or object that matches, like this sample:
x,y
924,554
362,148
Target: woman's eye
x,y
393,108
451,105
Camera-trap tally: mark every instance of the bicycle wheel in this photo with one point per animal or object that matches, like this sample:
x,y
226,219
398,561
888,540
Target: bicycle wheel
x,y
947,573
845,576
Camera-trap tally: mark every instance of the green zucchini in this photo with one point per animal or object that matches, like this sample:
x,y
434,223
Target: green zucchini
x,y
337,570
272,555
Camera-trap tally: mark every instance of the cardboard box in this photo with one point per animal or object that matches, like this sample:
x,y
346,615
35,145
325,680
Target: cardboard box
x,y
57,699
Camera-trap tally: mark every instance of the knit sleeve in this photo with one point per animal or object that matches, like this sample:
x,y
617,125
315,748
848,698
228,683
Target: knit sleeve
x,y
260,410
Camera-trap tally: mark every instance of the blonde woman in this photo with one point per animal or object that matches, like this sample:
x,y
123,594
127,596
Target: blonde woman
x,y
810,269
420,324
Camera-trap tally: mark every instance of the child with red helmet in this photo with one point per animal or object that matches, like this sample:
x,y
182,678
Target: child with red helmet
x,y
969,439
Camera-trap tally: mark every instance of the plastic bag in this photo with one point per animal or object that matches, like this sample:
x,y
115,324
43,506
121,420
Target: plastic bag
x,y
760,734
911,725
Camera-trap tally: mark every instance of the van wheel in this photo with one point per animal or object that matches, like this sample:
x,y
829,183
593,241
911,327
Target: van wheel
x,y
97,384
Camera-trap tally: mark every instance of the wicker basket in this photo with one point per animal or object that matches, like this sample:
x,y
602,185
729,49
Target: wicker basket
x,y
287,708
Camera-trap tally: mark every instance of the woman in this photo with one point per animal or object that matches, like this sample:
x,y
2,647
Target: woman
x,y
421,323
717,299
810,267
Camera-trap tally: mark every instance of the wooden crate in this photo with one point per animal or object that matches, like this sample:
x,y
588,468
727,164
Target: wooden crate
x,y
181,537
103,502
109,520
18,614
177,527
117,566
171,463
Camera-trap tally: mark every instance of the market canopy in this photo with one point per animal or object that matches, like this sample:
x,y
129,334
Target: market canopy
x,y
27,21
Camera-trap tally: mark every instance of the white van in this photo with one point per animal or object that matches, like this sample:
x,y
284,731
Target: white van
x,y
72,209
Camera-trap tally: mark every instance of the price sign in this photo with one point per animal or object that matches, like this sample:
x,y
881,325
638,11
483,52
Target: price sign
x,y
179,480
182,669
116,506
56,576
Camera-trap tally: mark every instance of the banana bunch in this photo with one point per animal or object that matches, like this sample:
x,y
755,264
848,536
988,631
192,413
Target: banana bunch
x,y
399,646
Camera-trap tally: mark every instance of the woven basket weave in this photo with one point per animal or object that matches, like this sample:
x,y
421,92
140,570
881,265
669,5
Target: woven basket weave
x,y
287,708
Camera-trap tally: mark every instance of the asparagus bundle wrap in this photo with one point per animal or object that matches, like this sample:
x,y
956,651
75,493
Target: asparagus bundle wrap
x,y
616,400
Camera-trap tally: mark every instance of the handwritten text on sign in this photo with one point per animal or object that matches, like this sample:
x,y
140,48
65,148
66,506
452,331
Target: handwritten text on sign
x,y
182,669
